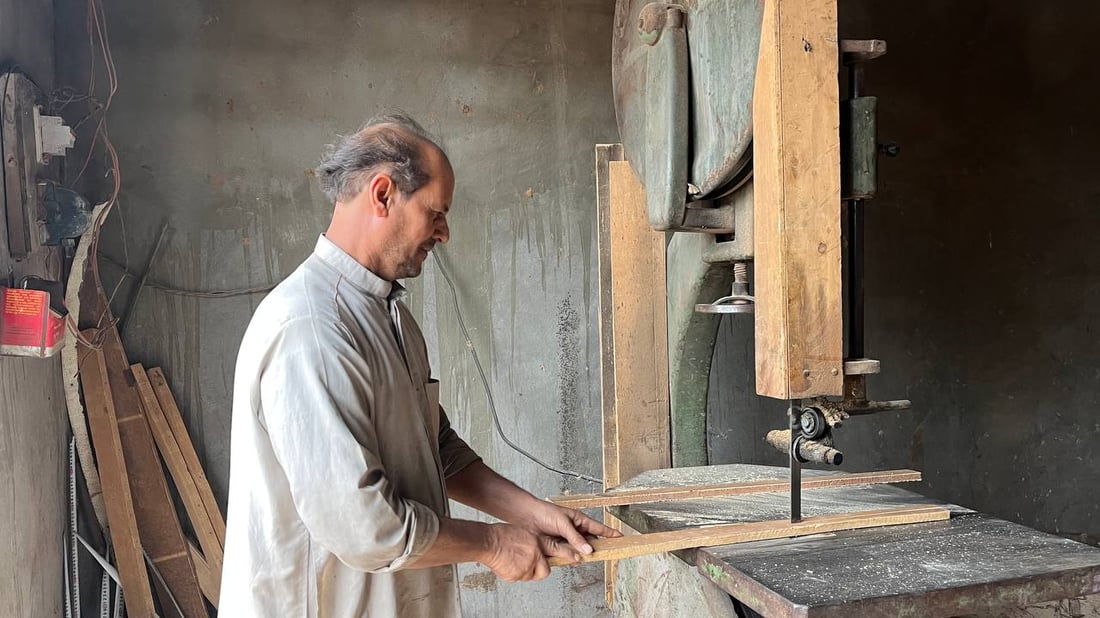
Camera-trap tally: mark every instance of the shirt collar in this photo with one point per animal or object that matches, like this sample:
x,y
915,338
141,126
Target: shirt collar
x,y
357,274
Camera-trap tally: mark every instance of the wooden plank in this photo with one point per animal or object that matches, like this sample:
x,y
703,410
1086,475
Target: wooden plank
x,y
688,492
796,181
158,524
209,578
177,466
633,331
640,332
606,153
119,501
183,440
726,534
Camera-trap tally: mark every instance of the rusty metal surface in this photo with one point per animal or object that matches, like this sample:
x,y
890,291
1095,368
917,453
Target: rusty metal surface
x,y
723,42
972,563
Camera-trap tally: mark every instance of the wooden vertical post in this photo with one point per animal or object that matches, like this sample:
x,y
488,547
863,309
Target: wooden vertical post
x,y
796,178
633,330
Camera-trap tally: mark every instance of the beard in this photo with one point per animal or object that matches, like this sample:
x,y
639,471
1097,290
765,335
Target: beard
x,y
409,268
406,264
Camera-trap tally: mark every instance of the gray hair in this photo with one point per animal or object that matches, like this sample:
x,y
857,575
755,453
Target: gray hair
x,y
391,143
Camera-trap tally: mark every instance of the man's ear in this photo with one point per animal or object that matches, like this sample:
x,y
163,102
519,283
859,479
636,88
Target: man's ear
x,y
381,194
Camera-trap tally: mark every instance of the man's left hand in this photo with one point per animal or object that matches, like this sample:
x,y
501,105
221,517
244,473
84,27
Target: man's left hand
x,y
556,521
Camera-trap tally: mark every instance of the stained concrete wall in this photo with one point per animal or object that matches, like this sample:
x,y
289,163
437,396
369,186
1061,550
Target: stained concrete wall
x,y
32,406
224,108
982,277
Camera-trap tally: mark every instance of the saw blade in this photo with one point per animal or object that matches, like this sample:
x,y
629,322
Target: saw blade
x,y
793,413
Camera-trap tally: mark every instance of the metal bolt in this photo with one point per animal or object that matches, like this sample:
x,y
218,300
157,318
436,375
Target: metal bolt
x,y
835,371
741,272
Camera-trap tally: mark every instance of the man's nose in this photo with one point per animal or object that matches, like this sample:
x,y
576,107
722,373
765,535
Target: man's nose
x,y
442,232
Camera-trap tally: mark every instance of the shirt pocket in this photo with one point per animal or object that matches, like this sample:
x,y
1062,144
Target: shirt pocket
x,y
431,391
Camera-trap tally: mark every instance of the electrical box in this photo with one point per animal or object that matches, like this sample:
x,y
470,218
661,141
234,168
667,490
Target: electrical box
x,y
32,319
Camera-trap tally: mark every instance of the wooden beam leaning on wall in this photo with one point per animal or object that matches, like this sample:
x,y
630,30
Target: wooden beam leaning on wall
x,y
158,524
118,500
633,331
175,420
690,492
172,449
726,534
796,183
209,579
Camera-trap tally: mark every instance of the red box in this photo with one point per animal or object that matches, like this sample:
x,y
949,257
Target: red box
x,y
28,325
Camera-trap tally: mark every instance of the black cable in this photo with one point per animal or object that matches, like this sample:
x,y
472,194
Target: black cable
x,y
489,391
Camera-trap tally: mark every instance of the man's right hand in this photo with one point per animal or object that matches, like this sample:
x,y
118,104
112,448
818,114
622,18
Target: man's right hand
x,y
516,555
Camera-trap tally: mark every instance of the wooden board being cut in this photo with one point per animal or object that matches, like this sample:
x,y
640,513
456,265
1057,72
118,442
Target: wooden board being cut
x,y
664,494
796,183
726,534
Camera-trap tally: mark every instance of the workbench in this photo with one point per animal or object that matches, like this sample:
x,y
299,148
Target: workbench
x,y
970,564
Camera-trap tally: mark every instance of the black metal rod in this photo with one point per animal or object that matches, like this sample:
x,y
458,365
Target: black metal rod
x,y
855,245
794,413
855,80
855,288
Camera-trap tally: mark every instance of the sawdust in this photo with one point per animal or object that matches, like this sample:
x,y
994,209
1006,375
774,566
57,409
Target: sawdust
x,y
484,581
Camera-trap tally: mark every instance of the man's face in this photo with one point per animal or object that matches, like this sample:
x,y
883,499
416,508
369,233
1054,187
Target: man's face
x,y
420,219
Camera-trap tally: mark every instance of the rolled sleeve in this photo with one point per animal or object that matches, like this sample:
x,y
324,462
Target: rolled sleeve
x,y
315,404
454,453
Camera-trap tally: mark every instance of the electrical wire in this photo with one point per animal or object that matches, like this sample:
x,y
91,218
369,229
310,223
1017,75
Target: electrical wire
x,y
97,34
168,289
488,390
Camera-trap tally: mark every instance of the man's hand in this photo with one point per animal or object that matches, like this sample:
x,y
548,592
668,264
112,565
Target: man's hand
x,y
554,521
561,531
515,554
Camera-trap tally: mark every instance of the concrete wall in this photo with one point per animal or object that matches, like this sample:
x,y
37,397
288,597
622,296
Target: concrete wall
x,y
982,277
32,406
224,108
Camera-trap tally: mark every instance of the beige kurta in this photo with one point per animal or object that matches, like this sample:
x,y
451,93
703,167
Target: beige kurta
x,y
339,452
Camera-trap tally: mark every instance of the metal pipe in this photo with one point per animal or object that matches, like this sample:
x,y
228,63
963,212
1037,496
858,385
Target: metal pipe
x,y
855,80
870,407
855,290
855,287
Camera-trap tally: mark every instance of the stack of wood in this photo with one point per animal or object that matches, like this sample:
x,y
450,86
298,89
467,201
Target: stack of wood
x,y
128,432
135,427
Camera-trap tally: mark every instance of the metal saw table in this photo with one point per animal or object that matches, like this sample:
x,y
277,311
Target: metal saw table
x,y
970,564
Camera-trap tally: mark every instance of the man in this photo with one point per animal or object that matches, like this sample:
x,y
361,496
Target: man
x,y
342,459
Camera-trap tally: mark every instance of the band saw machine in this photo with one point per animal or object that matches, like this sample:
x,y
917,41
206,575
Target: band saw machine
x,y
751,177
